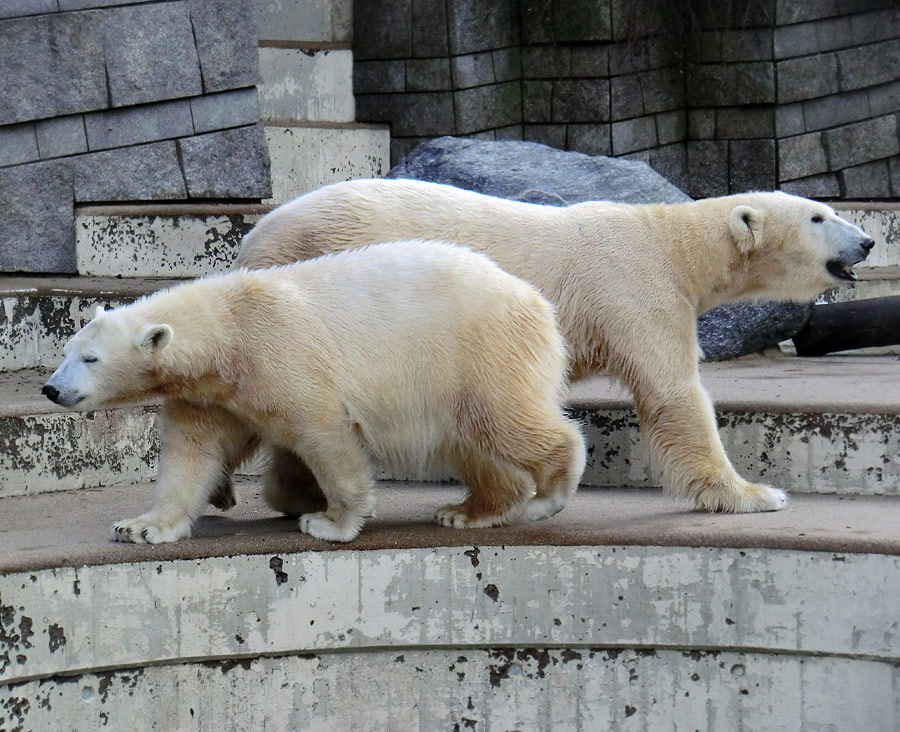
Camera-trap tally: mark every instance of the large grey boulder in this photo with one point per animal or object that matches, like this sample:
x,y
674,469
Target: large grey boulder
x,y
527,171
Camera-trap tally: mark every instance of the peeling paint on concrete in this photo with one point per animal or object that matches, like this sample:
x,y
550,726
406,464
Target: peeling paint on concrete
x,y
805,453
177,245
129,615
558,690
34,328
62,451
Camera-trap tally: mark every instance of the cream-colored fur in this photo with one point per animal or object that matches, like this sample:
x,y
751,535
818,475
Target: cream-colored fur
x,y
412,357
628,281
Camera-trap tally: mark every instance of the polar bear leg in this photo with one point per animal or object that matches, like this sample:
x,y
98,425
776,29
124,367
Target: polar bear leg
x,y
558,473
497,488
685,446
195,446
344,474
290,486
678,421
675,413
223,495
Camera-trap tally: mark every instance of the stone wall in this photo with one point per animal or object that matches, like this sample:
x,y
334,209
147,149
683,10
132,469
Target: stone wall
x,y
114,100
719,96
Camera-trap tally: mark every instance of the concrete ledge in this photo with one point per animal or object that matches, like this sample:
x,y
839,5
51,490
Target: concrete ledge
x,y
71,529
617,568
38,314
306,85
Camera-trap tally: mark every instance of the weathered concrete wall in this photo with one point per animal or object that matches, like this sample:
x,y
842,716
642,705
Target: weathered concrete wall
x,y
578,689
799,452
794,636
134,244
42,453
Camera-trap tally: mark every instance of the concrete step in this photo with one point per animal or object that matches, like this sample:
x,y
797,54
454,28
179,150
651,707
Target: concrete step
x,y
44,448
621,607
306,156
826,425
161,240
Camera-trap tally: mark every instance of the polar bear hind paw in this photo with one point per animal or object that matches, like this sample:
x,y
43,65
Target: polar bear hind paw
x,y
321,526
455,516
146,530
750,498
544,507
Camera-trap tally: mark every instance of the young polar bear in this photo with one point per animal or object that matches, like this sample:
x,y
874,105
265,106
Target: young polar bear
x,y
411,357
628,282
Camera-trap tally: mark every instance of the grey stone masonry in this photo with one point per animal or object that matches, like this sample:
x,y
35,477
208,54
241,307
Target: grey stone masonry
x,y
226,164
148,172
60,136
150,53
723,96
107,95
18,144
862,142
225,109
227,60
37,220
144,123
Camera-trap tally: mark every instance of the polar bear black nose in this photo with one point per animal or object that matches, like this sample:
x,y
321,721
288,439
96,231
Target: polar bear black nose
x,y
51,392
867,244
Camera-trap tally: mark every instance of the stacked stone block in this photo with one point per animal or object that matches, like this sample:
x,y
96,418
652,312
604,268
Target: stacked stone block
x,y
438,67
106,100
838,98
720,97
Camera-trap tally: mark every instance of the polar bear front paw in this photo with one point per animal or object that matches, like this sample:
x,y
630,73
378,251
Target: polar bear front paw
x,y
763,498
456,516
320,526
146,529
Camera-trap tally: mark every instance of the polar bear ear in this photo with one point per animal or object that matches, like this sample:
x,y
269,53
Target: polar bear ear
x,y
746,227
98,311
155,338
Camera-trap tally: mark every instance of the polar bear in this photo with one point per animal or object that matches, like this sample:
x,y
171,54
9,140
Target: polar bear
x,y
410,357
628,282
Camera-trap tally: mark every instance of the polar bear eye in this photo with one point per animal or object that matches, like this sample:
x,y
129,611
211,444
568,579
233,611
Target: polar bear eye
x,y
817,219
89,359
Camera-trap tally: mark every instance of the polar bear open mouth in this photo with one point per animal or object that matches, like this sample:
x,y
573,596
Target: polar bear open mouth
x,y
841,270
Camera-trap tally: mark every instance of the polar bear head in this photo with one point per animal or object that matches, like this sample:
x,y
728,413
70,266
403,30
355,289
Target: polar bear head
x,y
113,358
795,248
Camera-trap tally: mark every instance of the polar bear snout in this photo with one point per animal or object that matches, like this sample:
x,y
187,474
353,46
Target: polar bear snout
x,y
64,397
51,392
61,388
867,245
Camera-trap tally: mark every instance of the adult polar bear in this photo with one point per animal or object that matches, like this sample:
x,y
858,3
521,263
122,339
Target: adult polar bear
x,y
628,281
406,356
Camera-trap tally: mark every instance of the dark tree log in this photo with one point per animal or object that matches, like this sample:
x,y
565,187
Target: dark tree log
x,y
843,326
